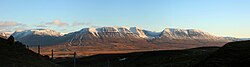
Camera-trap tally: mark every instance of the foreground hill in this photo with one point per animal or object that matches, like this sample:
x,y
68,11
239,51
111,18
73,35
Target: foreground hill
x,y
167,58
16,55
234,54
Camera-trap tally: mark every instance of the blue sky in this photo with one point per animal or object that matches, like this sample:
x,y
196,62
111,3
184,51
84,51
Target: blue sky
x,y
219,17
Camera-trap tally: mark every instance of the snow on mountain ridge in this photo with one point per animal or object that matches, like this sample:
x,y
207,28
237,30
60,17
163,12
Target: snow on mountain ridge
x,y
124,29
173,33
116,31
91,30
23,33
151,34
107,29
5,34
46,32
138,31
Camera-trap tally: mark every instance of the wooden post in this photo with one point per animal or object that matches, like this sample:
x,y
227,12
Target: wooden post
x,y
74,59
38,49
27,46
108,63
52,57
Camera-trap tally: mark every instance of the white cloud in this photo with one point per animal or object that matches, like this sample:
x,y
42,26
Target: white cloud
x,y
41,25
7,26
57,23
9,23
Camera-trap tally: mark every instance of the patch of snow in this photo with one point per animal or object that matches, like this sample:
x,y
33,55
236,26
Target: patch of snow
x,y
107,29
91,30
173,33
122,59
5,34
151,34
124,30
23,33
46,32
138,31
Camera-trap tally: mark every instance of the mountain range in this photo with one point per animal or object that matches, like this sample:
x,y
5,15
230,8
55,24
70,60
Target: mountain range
x,y
117,38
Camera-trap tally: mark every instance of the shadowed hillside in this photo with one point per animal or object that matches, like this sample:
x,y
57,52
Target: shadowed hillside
x,y
167,58
234,54
15,54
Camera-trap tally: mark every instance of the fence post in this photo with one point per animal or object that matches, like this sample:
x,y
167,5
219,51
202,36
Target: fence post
x,y
52,57
27,46
38,49
74,59
108,63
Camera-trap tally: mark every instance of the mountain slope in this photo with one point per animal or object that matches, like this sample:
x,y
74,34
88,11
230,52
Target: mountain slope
x,y
37,37
108,38
121,38
233,54
187,38
16,55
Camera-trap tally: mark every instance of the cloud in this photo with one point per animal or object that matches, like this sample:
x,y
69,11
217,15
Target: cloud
x,y
10,24
41,25
96,26
80,24
2,30
58,23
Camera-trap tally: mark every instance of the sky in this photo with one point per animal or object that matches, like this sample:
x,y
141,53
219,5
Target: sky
x,y
219,17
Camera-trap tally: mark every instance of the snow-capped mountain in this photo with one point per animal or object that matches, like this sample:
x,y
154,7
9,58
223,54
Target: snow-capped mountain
x,y
107,36
112,32
121,38
138,31
5,34
172,33
37,36
41,32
